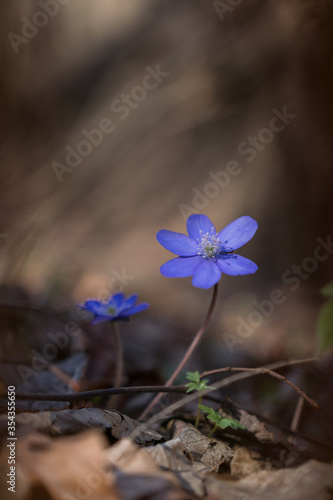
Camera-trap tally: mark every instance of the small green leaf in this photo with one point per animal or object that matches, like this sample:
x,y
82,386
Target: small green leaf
x,y
203,386
206,409
196,384
214,417
222,422
193,376
96,399
325,326
327,290
229,422
191,386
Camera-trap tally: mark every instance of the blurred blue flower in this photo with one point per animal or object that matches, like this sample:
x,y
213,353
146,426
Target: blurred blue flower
x,y
206,254
116,308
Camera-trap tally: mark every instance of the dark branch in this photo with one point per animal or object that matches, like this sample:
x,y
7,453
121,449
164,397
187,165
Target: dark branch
x,y
100,392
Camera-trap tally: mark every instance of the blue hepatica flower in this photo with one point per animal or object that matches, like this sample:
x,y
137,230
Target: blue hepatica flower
x,y
206,254
116,308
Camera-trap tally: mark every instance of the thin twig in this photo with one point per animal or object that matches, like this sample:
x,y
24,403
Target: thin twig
x,y
119,361
271,366
58,316
296,418
181,389
265,371
188,353
61,317
72,383
16,361
191,397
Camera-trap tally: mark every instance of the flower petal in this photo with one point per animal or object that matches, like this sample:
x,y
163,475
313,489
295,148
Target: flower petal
x,y
206,274
180,267
178,243
238,232
130,301
93,306
116,300
127,304
236,265
196,223
135,309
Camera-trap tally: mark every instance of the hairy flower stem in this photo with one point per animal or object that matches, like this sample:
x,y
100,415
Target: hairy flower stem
x,y
119,361
212,431
197,420
188,353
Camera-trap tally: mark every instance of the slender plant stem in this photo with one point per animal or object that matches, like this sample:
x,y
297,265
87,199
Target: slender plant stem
x,y
119,361
212,431
188,353
197,420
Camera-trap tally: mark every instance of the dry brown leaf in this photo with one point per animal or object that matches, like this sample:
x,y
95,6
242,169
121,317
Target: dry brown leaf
x,y
199,448
170,456
245,462
68,468
254,425
134,487
312,480
125,455
251,423
138,476
58,423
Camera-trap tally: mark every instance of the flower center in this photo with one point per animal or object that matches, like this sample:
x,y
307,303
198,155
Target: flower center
x,y
112,311
209,244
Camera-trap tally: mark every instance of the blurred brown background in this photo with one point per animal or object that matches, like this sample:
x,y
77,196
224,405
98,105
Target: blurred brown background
x,y
223,72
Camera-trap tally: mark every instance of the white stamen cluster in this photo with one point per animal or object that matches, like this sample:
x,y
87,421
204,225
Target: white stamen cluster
x,y
209,244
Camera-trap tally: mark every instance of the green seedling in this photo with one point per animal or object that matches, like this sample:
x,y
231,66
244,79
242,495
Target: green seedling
x,y
219,421
196,384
